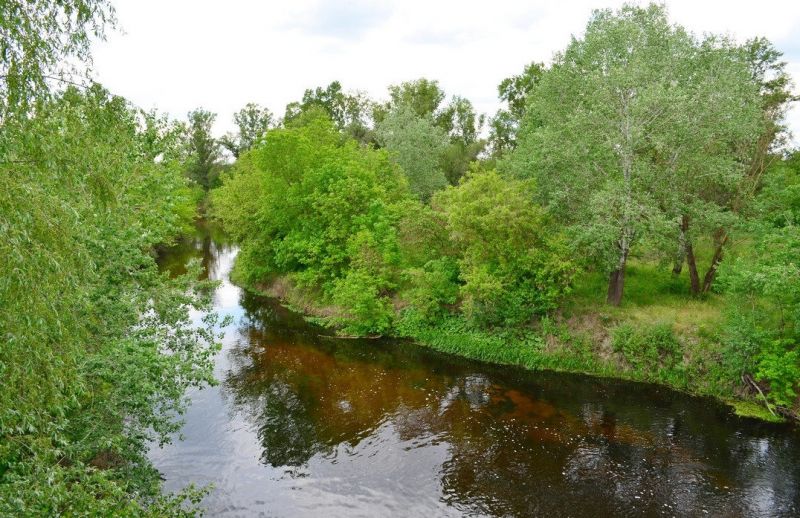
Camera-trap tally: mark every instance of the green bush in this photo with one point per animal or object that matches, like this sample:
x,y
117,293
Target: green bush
x,y
647,348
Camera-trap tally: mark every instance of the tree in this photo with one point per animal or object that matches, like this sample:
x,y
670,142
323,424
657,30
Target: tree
x,y
203,150
423,96
252,122
416,145
98,348
617,128
771,86
515,91
458,119
39,39
317,208
512,263
350,112
462,124
763,288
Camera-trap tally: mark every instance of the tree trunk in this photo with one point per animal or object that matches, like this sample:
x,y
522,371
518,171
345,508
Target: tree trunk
x,y
616,282
711,273
694,276
691,262
681,255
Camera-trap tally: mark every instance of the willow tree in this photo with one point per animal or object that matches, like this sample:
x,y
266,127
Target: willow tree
x,y
614,130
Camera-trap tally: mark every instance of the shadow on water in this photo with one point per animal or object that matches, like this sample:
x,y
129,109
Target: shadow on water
x,y
304,424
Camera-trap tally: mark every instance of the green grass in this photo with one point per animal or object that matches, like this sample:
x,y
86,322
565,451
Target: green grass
x,y
753,410
652,294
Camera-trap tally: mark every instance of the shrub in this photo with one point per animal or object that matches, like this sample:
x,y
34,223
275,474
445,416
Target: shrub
x,y
647,348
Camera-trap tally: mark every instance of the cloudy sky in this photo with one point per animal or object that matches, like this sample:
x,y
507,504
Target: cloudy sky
x,y
176,55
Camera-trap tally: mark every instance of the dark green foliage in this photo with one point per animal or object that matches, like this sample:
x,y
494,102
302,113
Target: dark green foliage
x,y
203,150
764,322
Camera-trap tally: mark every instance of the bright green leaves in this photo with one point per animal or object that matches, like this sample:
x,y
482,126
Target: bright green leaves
x,y
324,216
511,260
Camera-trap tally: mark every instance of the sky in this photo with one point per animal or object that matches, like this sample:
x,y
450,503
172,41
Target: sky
x,y
177,55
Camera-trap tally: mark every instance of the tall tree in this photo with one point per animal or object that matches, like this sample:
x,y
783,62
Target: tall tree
x,y
349,111
202,148
514,91
416,144
458,119
423,96
252,122
612,132
773,87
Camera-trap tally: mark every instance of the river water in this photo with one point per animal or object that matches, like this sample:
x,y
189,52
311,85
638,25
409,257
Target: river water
x,y
303,424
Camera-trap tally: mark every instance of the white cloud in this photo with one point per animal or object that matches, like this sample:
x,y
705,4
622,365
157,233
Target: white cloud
x,y
177,55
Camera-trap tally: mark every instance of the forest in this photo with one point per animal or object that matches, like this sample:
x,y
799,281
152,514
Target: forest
x,y
632,211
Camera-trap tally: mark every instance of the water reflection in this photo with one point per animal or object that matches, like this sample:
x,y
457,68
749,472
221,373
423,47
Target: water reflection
x,y
304,424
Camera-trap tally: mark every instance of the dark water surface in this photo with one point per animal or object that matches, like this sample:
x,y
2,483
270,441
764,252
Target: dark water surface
x,y
307,425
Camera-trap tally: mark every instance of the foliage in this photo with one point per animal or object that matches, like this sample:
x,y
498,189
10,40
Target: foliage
x,y
516,92
98,348
349,111
648,347
319,211
415,144
765,302
40,40
622,122
512,263
252,123
203,150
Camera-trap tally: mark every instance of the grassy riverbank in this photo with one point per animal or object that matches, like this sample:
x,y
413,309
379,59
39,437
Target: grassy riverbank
x,y
661,335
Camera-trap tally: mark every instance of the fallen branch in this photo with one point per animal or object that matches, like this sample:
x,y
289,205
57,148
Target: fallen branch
x,y
747,379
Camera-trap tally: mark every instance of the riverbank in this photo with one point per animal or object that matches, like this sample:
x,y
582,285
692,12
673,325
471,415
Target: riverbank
x,y
674,343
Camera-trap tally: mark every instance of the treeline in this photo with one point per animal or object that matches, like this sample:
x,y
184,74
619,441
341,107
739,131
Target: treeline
x,y
639,142
96,345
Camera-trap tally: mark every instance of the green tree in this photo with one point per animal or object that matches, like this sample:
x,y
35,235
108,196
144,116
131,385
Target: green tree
x,y
423,96
764,305
38,42
349,111
512,263
615,132
416,145
316,208
458,119
252,123
203,149
515,91
98,348
771,86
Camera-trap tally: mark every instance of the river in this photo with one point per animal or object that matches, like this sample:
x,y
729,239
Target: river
x,y
303,424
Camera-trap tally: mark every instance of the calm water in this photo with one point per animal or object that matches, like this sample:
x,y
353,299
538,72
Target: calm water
x,y
302,424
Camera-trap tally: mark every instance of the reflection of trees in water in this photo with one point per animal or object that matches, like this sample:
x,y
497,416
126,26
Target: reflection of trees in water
x,y
542,447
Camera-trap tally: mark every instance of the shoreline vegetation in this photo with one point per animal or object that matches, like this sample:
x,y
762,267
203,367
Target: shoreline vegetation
x,y
579,344
633,212
632,209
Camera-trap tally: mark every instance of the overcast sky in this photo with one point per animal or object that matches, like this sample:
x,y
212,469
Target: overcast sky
x,y
175,55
